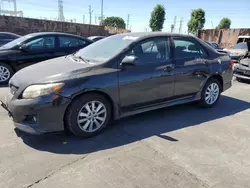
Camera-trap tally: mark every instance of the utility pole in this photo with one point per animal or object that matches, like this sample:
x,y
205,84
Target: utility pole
x,y
101,12
180,28
212,24
90,15
128,21
175,19
60,11
172,28
197,31
83,18
90,19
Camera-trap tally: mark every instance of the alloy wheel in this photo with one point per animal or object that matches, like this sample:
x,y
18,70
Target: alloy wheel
x,y
92,116
212,93
4,74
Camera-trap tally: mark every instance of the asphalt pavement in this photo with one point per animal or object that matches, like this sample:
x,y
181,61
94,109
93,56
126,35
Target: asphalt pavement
x,y
178,147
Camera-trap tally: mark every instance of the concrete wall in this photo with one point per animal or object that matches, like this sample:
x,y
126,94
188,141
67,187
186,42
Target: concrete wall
x,y
224,37
24,26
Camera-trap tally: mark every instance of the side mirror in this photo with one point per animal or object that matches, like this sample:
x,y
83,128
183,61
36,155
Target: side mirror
x,y
24,47
129,61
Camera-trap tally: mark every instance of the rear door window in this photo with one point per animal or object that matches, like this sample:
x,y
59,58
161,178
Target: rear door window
x,y
71,42
186,48
152,50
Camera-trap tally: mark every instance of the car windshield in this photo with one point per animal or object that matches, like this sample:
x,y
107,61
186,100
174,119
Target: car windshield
x,y
106,48
241,45
16,42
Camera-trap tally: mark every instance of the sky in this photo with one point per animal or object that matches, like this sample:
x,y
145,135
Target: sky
x,y
139,11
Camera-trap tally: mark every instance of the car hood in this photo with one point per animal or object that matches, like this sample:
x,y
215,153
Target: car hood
x,y
52,70
245,62
236,52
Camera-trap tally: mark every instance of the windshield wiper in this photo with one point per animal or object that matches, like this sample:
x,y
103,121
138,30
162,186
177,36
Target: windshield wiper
x,y
81,58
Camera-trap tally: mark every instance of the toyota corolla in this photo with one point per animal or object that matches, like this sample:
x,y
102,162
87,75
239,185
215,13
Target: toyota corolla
x,y
117,76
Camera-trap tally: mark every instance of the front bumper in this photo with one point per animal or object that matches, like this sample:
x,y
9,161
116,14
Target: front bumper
x,y
38,116
241,71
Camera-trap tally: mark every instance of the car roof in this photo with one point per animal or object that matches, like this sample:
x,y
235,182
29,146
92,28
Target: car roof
x,y
141,35
53,33
91,37
9,33
243,37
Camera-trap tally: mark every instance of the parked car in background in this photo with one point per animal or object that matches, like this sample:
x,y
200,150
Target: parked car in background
x,y
242,70
6,37
96,38
118,76
215,45
242,38
239,51
36,47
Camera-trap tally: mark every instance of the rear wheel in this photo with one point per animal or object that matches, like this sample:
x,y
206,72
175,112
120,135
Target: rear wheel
x,y
88,115
6,72
211,93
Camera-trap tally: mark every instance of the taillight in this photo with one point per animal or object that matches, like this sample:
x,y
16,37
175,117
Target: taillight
x,y
231,64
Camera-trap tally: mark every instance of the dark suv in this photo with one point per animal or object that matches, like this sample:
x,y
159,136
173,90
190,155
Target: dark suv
x,y
117,76
36,47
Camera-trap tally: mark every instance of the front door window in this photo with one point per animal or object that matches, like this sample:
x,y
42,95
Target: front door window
x,y
46,42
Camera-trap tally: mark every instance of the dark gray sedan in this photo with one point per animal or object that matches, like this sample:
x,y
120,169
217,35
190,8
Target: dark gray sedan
x,y
6,37
118,76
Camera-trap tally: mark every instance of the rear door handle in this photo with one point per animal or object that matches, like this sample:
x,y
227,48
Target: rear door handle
x,y
169,67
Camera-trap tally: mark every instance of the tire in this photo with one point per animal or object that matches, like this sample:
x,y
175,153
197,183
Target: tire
x,y
206,103
6,72
77,123
239,79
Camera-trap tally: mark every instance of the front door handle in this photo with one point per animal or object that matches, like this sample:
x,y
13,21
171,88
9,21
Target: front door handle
x,y
169,67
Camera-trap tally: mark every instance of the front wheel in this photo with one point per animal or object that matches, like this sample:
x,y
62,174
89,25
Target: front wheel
x,y
239,79
88,115
6,72
211,93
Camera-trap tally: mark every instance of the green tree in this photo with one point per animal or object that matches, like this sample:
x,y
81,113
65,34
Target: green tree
x,y
115,22
225,23
157,18
197,21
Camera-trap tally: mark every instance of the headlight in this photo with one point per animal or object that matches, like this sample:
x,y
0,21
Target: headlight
x,y
34,91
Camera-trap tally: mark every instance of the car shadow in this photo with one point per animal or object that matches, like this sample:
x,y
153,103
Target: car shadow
x,y
138,127
3,85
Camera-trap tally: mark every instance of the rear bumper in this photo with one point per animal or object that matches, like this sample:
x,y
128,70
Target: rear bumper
x,y
38,116
228,85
